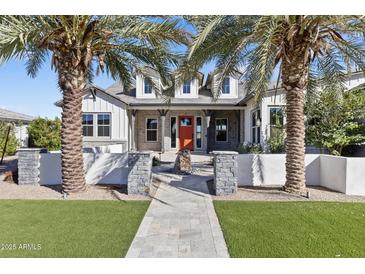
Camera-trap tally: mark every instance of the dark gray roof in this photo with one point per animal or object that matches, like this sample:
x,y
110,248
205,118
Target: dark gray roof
x,y
12,116
205,97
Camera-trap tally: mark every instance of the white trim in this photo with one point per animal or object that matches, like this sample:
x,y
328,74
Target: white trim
x,y
144,88
229,85
215,130
95,136
190,87
187,107
145,129
201,132
251,125
268,126
177,132
110,126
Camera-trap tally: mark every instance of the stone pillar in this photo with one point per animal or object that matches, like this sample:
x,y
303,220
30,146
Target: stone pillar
x,y
139,172
163,119
225,172
28,166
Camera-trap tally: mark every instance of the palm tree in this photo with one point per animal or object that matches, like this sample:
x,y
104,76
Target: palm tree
x,y
120,45
308,52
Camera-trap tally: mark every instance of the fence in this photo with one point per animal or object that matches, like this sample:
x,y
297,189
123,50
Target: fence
x,y
343,174
131,168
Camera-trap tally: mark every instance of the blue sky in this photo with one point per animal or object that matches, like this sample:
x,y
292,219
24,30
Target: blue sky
x,y
21,93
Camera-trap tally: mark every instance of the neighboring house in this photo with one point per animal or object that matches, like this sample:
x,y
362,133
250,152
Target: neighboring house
x,y
142,120
20,121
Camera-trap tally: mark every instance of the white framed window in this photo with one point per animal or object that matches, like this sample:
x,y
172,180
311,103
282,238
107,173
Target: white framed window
x,y
187,87
198,132
276,117
226,88
221,129
96,125
147,86
88,125
151,129
103,125
255,126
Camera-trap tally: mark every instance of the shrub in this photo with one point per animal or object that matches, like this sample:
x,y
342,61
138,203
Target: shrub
x,y
156,161
249,148
45,133
13,143
276,142
336,119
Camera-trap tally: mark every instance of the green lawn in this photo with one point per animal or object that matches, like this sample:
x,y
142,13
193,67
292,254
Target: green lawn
x,y
293,229
69,228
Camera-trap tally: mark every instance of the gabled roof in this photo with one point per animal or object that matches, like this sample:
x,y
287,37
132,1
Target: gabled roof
x,y
12,116
236,75
205,97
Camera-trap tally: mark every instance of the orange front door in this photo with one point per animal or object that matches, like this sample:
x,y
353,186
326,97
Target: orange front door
x,y
186,132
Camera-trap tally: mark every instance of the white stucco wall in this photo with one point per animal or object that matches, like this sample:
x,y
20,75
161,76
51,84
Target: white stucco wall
x,y
333,172
104,103
355,176
107,149
346,175
100,168
269,169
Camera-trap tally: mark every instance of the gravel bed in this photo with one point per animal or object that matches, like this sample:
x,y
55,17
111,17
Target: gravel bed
x,y
275,194
93,192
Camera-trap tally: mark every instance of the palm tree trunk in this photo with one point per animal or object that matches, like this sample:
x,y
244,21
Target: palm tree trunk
x,y
295,77
72,82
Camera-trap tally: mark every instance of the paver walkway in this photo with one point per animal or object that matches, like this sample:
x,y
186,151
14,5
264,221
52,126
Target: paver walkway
x,y
181,221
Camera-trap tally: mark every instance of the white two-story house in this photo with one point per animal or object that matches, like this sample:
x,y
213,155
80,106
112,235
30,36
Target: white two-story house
x,y
141,119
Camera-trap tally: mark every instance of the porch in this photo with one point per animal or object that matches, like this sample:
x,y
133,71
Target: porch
x,y
199,130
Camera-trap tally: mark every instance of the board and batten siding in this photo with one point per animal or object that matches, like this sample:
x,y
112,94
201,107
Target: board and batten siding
x,y
104,103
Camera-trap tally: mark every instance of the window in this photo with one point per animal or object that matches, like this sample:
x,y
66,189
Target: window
x,y
221,125
147,86
276,118
173,132
87,125
103,125
187,87
226,86
151,129
185,122
198,132
256,126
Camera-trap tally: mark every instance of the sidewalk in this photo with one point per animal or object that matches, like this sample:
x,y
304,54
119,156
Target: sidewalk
x,y
181,221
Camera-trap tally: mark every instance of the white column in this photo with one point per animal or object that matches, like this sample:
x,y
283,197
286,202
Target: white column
x,y
133,130
163,119
242,126
206,133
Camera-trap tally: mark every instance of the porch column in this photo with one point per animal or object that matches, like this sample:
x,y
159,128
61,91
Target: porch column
x,y
242,126
208,114
133,129
163,120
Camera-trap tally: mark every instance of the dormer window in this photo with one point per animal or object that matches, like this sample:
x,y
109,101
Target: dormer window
x,y
226,86
147,86
187,87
